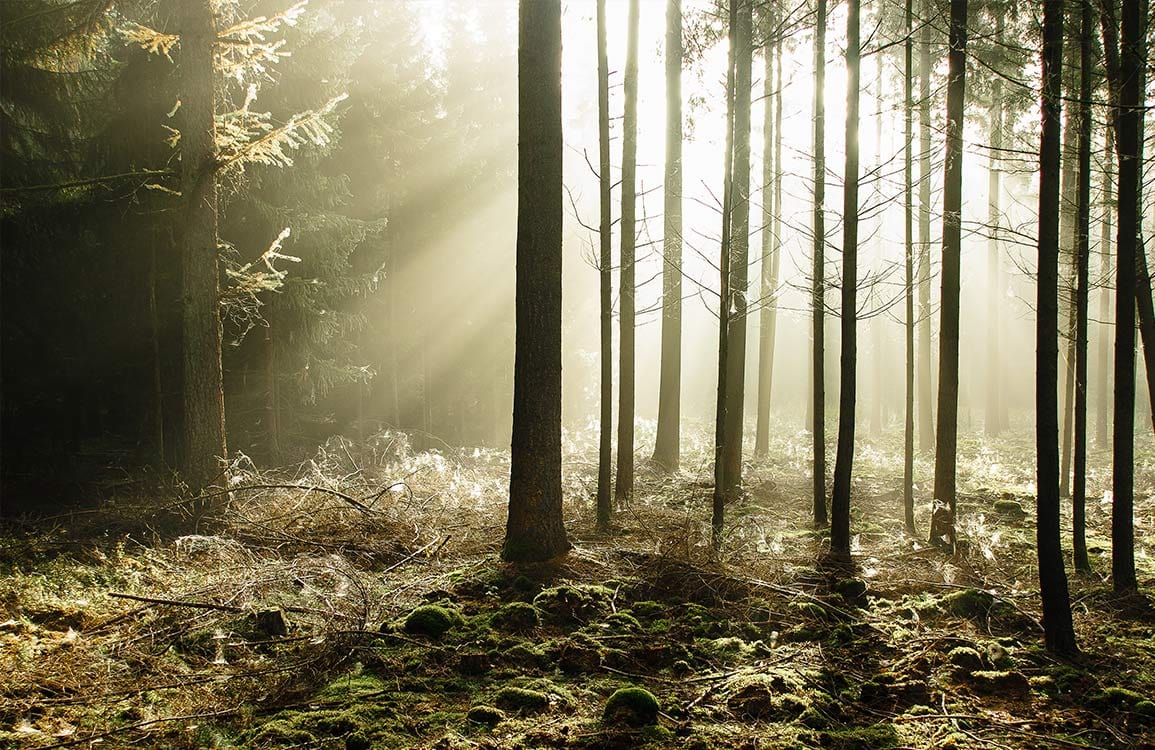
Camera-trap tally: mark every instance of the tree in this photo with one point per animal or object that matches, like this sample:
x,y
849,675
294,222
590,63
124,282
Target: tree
x,y
740,249
666,448
204,398
605,270
942,530
771,209
1106,201
908,232
718,516
624,488
844,459
925,402
818,273
994,187
1058,629
535,529
1082,282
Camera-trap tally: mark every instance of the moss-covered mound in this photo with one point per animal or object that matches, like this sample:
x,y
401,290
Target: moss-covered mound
x,y
634,706
432,620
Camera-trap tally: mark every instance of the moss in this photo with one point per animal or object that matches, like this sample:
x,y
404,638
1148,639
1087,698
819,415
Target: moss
x,y
432,620
487,715
1117,696
568,604
623,621
998,682
649,610
1010,508
523,584
634,706
525,654
575,658
873,737
973,604
1145,708
850,588
521,700
355,683
966,657
517,617
809,609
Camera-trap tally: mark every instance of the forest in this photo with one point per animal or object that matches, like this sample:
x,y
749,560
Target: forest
x,y
604,374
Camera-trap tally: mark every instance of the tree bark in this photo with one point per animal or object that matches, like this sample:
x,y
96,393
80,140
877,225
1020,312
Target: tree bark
x,y
605,281
771,143
844,458
925,353
535,529
943,519
740,251
666,448
1103,408
908,233
1068,241
1058,630
994,298
204,401
818,275
624,487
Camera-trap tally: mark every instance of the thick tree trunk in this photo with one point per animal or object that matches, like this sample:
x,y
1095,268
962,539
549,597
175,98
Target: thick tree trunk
x,y
718,520
535,529
157,367
666,448
605,281
818,275
942,531
844,458
740,251
771,142
1058,630
925,316
908,233
1082,273
204,401
624,488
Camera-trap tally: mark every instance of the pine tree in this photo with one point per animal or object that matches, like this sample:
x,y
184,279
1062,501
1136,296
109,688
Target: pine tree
x,y
818,273
605,270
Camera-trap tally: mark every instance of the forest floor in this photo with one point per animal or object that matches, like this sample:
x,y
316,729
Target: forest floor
x,y
357,601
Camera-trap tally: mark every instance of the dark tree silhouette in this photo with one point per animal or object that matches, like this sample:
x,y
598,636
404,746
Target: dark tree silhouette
x,y
771,208
535,530
624,487
605,282
925,353
844,459
1058,630
204,399
818,274
908,232
942,528
667,449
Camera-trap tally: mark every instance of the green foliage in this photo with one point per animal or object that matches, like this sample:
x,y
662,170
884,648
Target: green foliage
x,y
633,706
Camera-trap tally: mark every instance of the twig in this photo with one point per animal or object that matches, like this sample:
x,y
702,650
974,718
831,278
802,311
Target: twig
x,y
141,725
223,607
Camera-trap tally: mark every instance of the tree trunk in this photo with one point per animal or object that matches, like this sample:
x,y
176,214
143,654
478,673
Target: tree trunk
x,y
877,334
1082,273
272,399
1068,241
844,458
535,529
624,488
1103,410
666,448
908,233
204,400
718,522
771,141
925,353
818,276
994,298
1146,314
1058,630
605,271
740,251
159,461
942,531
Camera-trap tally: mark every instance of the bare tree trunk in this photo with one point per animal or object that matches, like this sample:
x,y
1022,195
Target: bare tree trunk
x,y
1103,410
994,299
666,448
908,232
605,280
157,375
535,529
718,520
942,531
877,335
1058,630
624,488
925,352
818,278
844,458
204,400
771,141
1068,241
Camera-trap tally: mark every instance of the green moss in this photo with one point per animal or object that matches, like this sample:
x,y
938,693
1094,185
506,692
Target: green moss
x,y
998,682
634,706
649,610
973,604
623,621
525,654
432,620
355,683
569,604
873,737
966,657
1145,708
521,700
1117,696
850,588
487,715
517,617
